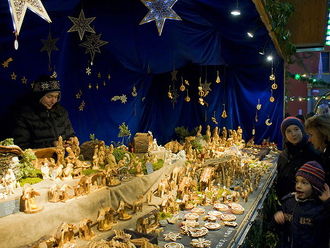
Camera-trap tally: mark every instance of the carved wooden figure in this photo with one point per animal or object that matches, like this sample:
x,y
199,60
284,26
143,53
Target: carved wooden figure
x,y
29,205
65,234
85,229
54,194
123,215
138,204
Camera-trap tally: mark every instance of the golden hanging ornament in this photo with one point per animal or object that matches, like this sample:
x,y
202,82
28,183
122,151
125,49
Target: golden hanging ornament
x,y
218,80
201,101
186,82
271,99
224,113
187,98
214,119
201,92
274,86
182,87
259,105
169,93
272,77
253,131
97,86
268,122
89,86
134,92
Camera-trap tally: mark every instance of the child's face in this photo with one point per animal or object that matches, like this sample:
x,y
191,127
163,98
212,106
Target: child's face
x,y
293,134
303,188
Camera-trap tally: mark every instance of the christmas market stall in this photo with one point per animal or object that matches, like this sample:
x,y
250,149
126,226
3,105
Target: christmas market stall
x,y
176,107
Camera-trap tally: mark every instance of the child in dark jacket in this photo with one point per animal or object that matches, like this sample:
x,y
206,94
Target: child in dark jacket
x,y
306,213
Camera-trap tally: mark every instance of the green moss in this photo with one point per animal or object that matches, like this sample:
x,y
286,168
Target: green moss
x,y
119,154
30,180
7,142
89,172
163,215
27,168
159,164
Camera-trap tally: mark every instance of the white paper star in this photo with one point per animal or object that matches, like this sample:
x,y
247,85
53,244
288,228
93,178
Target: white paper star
x,y
18,10
159,11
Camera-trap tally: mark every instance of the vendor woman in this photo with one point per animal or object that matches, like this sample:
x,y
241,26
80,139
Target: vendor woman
x,y
41,121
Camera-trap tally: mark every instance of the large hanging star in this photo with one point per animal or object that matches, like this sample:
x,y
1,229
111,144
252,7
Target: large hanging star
x,y
49,45
159,11
93,44
18,10
81,24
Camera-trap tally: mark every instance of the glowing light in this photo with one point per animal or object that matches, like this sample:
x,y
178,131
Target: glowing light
x,y
269,58
235,12
250,34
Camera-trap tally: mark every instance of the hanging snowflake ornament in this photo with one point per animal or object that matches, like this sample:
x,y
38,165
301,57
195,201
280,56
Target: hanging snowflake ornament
x,y
93,44
88,71
81,24
18,9
159,11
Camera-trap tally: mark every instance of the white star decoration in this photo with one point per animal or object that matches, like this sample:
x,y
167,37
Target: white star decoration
x,y
18,10
159,11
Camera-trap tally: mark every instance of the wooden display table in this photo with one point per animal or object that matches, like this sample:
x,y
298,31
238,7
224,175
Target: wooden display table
x,y
20,229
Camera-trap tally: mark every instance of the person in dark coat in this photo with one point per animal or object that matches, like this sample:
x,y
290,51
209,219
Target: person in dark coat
x,y
318,128
305,214
40,123
297,151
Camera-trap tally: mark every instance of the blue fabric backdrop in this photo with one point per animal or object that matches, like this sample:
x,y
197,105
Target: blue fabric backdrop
x,y
207,40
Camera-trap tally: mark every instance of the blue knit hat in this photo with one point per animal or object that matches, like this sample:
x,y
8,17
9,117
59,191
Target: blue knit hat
x,y
291,120
314,173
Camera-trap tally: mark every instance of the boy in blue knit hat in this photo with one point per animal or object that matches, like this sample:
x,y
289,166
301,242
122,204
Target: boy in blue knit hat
x,y
305,213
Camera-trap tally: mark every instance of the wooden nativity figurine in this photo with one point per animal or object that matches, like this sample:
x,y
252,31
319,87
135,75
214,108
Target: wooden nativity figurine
x,y
28,203
85,229
106,219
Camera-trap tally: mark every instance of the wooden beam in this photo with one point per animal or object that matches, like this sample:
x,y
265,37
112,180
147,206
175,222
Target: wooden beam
x,y
266,20
308,23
